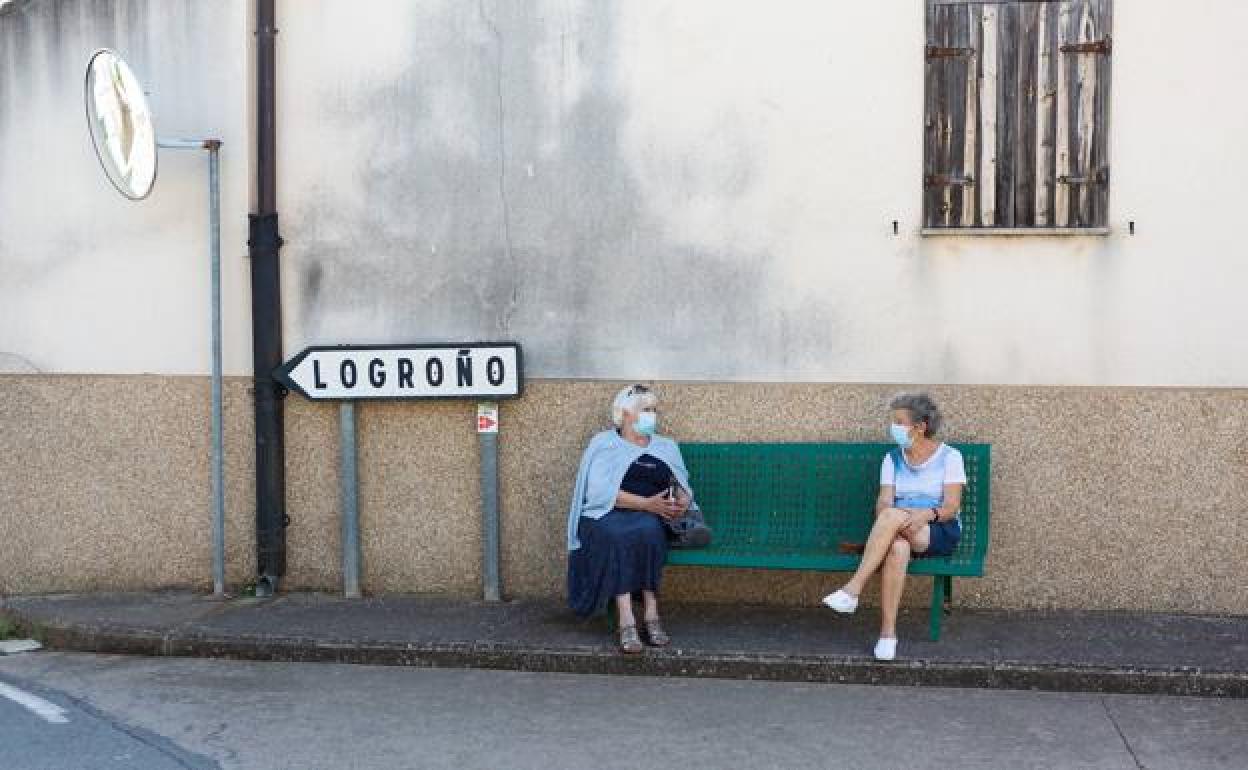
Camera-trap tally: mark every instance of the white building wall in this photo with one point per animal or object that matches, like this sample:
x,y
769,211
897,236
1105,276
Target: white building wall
x,y
89,281
692,190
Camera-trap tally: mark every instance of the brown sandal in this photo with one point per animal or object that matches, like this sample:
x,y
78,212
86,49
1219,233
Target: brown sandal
x,y
655,634
630,642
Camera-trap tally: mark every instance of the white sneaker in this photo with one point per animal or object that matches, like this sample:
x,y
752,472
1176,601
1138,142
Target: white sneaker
x,y
841,601
886,648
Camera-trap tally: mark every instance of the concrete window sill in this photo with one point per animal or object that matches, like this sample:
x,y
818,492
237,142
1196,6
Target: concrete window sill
x,y
1014,231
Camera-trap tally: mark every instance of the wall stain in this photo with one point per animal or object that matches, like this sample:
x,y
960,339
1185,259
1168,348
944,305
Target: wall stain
x,y
475,224
45,47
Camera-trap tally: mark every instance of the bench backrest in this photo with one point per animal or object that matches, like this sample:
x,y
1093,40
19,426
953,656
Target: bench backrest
x,y
810,498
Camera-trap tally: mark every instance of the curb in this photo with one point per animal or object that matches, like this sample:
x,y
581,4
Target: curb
x,y
665,663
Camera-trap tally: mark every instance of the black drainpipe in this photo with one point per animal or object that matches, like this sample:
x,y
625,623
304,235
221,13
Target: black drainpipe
x,y
266,320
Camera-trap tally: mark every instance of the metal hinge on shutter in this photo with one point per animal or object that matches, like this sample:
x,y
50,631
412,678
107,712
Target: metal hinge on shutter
x,y
1104,46
942,52
948,180
1100,177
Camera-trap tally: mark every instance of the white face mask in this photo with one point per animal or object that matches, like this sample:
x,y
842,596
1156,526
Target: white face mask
x,y
646,424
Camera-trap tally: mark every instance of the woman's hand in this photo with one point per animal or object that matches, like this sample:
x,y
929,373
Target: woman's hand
x,y
660,505
683,501
665,507
919,518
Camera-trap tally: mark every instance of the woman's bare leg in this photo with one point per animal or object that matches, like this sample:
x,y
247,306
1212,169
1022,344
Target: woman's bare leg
x,y
651,604
883,533
921,542
892,581
624,608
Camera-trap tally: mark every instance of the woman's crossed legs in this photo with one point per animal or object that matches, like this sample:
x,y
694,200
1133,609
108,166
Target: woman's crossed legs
x,y
888,551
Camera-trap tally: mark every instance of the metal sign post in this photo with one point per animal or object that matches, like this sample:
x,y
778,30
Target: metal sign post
x,y
213,146
349,491
350,373
487,435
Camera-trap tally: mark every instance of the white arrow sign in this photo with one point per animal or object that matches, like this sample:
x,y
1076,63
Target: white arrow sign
x,y
473,370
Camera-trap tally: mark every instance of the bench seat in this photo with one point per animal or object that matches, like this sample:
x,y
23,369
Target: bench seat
x,y
791,506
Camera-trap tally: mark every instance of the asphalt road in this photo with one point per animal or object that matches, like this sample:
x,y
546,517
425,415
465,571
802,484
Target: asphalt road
x,y
176,713
47,730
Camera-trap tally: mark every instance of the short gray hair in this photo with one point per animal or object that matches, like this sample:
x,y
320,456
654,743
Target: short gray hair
x,y
634,398
921,408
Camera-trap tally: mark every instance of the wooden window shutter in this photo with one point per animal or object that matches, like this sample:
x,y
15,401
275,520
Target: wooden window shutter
x,y
1017,114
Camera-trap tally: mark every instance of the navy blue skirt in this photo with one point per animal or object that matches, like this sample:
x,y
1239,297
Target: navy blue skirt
x,y
621,553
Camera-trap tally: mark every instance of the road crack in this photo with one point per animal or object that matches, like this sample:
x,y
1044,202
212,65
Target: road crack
x,y
1125,743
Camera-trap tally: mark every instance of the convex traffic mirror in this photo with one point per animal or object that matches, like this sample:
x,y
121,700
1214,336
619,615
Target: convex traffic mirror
x,y
120,124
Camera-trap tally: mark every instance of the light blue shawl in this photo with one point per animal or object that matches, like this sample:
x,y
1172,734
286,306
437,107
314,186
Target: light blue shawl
x,y
606,460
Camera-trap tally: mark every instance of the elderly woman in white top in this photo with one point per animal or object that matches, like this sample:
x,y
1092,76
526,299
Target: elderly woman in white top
x,y
917,512
630,481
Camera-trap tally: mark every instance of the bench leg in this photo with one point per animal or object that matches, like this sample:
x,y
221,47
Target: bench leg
x,y
938,606
948,592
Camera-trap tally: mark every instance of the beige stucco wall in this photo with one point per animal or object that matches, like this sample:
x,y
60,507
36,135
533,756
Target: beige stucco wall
x,y
105,483
1102,497
419,500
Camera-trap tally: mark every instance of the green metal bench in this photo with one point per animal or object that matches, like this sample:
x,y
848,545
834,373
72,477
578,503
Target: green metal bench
x,y
791,506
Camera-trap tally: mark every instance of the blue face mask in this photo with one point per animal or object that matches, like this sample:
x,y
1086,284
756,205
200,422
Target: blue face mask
x,y
900,435
646,423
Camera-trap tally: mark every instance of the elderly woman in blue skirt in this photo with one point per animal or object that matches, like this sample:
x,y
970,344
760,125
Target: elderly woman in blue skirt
x,y
630,481
916,513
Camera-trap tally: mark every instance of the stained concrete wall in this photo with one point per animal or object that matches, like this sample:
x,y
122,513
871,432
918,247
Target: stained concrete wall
x,y
691,191
89,281
705,190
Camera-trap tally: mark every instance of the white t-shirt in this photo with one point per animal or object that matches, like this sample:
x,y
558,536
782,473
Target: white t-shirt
x,y
924,484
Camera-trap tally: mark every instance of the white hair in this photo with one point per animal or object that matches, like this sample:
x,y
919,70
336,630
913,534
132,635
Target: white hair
x,y
634,398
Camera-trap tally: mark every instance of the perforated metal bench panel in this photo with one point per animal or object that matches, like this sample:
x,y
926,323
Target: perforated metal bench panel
x,y
790,506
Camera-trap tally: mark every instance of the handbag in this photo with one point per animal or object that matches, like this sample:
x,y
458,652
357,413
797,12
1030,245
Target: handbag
x,y
689,530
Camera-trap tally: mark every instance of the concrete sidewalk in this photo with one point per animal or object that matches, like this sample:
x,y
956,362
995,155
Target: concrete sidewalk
x,y
1066,651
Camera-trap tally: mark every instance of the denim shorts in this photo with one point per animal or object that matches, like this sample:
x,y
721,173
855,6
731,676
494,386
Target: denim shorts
x,y
943,539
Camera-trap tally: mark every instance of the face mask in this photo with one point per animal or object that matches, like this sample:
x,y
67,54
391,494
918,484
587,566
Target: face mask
x,y
646,423
900,435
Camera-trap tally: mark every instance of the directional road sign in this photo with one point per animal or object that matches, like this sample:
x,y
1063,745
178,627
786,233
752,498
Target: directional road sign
x,y
479,370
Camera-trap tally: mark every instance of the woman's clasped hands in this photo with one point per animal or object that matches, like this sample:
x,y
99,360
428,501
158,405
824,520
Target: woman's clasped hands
x,y
665,506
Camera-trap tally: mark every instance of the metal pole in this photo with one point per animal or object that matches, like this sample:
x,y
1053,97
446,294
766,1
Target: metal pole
x,y
349,490
218,449
489,510
213,146
265,243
